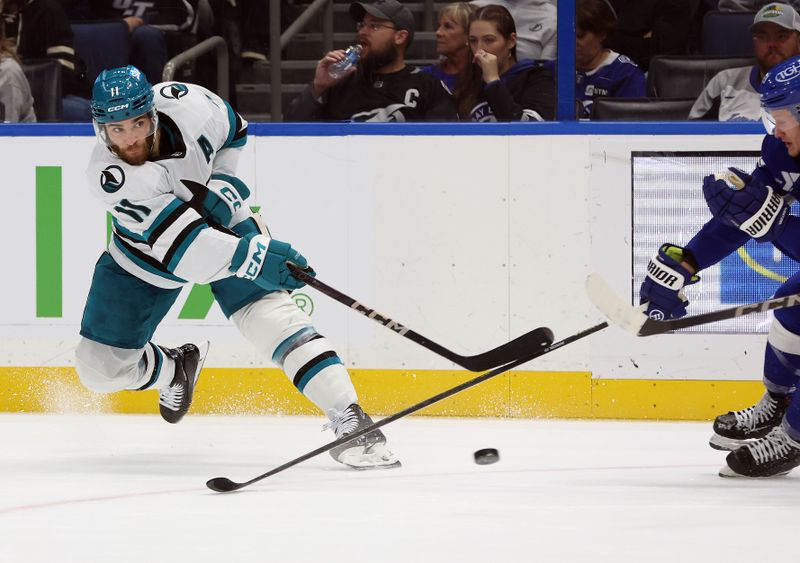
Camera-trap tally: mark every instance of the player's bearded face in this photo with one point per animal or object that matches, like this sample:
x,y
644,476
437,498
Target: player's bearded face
x,y
784,125
132,139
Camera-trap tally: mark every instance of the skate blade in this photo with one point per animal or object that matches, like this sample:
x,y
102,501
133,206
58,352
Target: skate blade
x,y
379,457
203,349
724,444
728,473
394,465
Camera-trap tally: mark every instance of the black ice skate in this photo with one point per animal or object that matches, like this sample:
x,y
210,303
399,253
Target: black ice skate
x,y
734,429
175,400
365,452
773,455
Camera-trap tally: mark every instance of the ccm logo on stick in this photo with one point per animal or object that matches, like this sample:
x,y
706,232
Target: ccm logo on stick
x,y
788,301
373,314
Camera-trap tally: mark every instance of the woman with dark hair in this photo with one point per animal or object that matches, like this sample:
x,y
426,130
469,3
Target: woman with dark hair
x,y
451,42
495,86
599,71
16,101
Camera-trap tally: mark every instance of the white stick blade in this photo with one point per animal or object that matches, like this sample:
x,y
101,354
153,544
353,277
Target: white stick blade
x,y
610,304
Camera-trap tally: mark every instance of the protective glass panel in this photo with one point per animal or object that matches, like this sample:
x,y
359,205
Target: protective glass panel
x,y
668,206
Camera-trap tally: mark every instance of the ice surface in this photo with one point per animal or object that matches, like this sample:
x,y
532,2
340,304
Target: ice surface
x,y
103,488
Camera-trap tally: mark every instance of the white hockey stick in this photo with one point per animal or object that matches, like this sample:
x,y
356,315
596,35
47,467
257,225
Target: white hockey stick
x,y
635,321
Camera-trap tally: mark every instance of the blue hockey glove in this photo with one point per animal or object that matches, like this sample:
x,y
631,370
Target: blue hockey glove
x,y
263,260
662,289
751,206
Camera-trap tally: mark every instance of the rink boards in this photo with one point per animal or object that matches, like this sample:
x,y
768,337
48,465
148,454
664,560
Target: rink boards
x,y
469,239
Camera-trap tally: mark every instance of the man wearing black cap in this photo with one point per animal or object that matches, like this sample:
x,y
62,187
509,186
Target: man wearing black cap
x,y
381,87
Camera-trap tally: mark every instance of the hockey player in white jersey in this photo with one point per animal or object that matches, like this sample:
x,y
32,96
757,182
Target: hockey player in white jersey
x,y
165,168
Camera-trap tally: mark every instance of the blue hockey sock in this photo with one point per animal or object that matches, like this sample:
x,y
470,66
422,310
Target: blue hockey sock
x,y
781,371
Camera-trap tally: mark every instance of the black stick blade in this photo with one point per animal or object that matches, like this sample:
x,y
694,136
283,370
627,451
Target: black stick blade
x,y
541,337
222,485
508,352
536,339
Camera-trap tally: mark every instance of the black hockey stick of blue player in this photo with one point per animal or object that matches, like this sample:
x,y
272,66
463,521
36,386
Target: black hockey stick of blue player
x,y
225,485
635,321
530,341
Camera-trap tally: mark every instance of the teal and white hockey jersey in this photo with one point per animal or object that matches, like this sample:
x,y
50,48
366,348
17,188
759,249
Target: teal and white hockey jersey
x,y
166,211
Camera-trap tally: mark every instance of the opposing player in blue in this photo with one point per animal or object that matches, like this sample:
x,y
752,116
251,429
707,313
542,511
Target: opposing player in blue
x,y
165,168
764,439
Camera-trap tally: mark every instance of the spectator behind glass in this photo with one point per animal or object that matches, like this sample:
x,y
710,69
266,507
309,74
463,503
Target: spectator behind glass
x,y
244,25
147,20
41,30
536,25
495,87
451,43
650,27
600,71
734,94
748,5
381,87
16,101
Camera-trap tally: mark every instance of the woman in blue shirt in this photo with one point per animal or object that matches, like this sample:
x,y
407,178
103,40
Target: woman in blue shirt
x,y
451,43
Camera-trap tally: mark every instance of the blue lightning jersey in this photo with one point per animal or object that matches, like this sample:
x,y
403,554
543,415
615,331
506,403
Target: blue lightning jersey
x,y
718,239
617,76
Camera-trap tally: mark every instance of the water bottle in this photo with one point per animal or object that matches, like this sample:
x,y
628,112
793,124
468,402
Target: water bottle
x,y
351,56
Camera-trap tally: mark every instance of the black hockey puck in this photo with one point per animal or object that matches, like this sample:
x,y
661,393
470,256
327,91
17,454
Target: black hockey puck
x,y
486,456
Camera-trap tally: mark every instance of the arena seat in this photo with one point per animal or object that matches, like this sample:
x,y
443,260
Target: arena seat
x,y
727,34
685,76
44,77
641,109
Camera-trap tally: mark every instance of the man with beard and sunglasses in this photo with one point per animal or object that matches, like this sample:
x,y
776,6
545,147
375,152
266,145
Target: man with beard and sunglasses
x,y
733,94
165,169
381,87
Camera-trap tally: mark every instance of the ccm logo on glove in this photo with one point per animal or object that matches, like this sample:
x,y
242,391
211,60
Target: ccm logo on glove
x,y
263,260
256,259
